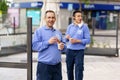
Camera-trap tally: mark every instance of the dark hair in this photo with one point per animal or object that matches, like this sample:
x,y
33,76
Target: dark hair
x,y
49,11
76,12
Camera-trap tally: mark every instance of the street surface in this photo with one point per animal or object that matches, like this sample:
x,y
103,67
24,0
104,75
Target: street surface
x,y
96,68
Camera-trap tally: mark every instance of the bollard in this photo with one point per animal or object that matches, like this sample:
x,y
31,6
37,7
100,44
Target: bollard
x,y
29,49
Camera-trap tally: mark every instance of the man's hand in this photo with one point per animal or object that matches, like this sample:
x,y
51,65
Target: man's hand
x,y
73,41
67,37
61,46
52,40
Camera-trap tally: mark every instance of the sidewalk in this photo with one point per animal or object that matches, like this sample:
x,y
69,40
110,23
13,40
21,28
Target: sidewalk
x,y
96,68
99,42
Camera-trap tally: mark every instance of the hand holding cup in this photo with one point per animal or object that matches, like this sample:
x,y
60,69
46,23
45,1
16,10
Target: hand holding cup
x,y
60,46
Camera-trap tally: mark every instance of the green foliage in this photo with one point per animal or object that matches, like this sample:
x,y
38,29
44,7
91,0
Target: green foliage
x,y
92,41
86,1
3,6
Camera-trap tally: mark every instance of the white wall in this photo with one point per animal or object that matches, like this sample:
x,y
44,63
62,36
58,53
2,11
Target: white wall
x,y
42,0
65,14
17,1
23,20
101,2
12,40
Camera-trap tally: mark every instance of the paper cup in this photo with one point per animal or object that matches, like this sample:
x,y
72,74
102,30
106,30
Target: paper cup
x,y
59,46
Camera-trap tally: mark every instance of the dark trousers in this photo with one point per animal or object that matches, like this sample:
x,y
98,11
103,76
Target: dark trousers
x,y
75,57
49,72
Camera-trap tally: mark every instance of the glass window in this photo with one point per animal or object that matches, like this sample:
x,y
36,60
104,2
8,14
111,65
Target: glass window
x,y
35,14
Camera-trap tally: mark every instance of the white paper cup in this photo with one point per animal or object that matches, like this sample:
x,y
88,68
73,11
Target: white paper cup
x,y
59,46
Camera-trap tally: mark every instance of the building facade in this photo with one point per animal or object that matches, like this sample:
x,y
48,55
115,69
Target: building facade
x,y
101,14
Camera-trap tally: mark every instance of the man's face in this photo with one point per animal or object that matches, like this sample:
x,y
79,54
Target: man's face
x,y
50,19
78,18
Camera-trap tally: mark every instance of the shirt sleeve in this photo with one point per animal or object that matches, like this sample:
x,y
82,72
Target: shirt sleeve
x,y
86,36
67,32
37,43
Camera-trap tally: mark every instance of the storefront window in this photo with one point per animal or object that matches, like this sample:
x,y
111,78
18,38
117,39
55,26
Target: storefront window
x,y
13,17
112,20
35,14
103,20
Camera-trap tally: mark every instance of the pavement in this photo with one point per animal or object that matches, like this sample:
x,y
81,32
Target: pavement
x,y
96,67
100,42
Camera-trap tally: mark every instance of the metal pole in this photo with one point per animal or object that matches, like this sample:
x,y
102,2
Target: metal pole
x,y
14,24
93,26
29,48
117,50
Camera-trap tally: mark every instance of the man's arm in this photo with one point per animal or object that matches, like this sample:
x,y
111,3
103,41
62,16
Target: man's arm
x,y
37,43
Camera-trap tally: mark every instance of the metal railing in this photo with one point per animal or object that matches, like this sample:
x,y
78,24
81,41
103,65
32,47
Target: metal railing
x,y
28,64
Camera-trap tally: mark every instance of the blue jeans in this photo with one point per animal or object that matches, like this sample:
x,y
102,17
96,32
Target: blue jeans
x,y
75,57
49,72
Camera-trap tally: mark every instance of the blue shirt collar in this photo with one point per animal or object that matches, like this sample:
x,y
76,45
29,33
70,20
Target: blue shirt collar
x,y
47,28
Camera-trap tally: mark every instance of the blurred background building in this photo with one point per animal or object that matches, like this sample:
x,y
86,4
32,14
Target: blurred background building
x,y
104,13
98,14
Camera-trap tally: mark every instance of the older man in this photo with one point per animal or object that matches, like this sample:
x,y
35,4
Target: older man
x,y
49,44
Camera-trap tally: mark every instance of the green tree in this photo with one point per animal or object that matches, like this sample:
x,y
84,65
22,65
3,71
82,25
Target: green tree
x,y
3,6
85,1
